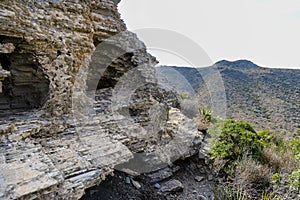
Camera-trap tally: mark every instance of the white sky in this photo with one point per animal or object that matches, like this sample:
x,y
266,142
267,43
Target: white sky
x,y
266,32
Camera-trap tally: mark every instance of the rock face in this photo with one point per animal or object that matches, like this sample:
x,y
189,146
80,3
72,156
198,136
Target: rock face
x,y
60,36
65,119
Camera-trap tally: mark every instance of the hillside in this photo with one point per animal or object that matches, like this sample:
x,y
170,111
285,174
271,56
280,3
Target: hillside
x,y
268,98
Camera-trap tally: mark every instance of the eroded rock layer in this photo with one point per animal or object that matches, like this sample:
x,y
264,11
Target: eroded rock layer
x,y
79,97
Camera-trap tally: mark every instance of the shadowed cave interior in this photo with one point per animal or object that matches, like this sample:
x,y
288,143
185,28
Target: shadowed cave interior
x,y
27,86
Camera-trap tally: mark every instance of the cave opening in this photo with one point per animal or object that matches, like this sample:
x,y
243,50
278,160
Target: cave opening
x,y
27,86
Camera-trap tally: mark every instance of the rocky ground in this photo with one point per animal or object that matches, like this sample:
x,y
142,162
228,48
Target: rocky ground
x,y
185,179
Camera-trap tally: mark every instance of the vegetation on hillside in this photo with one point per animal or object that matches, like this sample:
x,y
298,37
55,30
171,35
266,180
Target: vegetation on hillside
x,y
252,163
255,164
268,98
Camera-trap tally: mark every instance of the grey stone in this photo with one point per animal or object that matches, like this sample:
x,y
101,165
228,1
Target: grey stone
x,y
172,186
136,184
157,186
127,180
160,175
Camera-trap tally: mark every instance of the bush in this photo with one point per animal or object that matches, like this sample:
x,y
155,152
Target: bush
x,y
237,139
205,113
256,159
269,139
204,118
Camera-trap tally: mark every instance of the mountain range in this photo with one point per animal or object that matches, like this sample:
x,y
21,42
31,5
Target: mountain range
x,y
266,97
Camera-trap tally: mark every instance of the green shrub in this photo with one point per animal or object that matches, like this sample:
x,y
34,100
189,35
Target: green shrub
x,y
237,139
268,139
252,158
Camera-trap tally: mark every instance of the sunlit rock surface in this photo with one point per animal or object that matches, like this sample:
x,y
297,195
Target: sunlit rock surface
x,y
65,118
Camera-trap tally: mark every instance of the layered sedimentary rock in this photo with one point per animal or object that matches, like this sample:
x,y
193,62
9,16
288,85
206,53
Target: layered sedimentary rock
x,y
79,98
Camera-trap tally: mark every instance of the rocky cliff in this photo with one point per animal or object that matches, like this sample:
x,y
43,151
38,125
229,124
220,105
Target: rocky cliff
x,y
79,97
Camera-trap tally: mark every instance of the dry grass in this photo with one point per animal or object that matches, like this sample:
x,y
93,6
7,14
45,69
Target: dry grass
x,y
253,174
280,161
231,192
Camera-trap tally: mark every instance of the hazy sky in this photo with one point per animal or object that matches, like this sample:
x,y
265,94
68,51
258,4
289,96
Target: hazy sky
x,y
266,32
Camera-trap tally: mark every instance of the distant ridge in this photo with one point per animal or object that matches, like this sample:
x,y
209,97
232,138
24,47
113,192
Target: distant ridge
x,y
266,97
241,64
